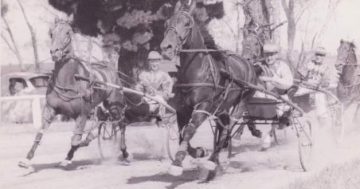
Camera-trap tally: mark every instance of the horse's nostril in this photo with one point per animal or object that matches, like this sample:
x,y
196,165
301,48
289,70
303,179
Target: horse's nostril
x,y
169,47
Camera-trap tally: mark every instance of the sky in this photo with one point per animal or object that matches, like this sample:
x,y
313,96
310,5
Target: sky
x,y
342,24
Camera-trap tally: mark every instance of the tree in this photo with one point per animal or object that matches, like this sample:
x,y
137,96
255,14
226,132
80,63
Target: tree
x,y
12,45
33,36
289,8
257,28
138,24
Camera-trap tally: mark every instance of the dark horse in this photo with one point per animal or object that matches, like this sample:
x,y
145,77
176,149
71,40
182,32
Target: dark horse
x,y
76,98
201,89
348,89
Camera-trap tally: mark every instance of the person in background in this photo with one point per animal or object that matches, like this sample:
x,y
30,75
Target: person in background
x,y
316,76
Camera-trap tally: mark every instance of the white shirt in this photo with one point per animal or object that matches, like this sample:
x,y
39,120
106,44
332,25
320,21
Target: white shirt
x,y
283,76
315,73
159,81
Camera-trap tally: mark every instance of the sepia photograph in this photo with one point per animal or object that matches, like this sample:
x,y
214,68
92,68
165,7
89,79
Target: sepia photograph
x,y
179,94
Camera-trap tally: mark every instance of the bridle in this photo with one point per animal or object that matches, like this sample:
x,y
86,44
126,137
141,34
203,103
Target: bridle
x,y
347,59
344,64
182,40
63,49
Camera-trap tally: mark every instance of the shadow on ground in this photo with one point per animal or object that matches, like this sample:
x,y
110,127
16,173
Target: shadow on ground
x,y
75,165
188,176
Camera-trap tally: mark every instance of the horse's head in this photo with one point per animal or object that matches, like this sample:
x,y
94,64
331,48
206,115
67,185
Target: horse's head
x,y
345,55
60,35
177,30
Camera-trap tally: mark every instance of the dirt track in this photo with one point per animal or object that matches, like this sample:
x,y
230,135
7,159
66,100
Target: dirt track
x,y
249,168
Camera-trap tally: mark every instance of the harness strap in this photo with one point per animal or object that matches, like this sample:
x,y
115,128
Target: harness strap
x,y
204,112
64,96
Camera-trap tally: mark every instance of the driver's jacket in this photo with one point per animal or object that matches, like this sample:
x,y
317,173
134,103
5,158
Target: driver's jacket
x,y
283,72
285,80
316,76
155,83
315,73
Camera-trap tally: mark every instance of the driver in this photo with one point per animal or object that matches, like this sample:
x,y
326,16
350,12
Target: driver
x,y
315,75
278,79
156,83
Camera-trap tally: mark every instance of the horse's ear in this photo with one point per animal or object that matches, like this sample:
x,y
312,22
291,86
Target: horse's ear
x,y
187,5
341,41
192,7
352,45
166,10
177,7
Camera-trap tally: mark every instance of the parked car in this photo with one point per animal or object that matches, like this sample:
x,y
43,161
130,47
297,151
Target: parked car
x,y
19,83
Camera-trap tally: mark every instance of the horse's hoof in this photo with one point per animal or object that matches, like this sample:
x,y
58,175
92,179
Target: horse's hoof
x,y
208,165
124,161
206,175
201,152
175,170
130,157
266,142
24,164
65,163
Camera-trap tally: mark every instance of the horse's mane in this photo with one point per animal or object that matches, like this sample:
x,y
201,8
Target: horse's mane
x,y
209,41
208,38
351,52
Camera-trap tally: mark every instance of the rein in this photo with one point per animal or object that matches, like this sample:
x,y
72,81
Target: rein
x,y
200,50
183,85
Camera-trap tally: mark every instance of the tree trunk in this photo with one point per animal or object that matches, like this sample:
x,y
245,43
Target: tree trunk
x,y
290,16
15,49
291,30
256,28
33,38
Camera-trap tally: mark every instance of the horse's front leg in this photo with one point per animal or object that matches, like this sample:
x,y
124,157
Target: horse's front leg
x,y
76,141
221,141
123,148
48,116
188,132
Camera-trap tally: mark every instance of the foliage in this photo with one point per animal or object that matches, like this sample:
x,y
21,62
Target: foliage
x,y
139,25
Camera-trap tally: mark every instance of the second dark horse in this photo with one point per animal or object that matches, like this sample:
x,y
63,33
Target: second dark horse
x,y
201,90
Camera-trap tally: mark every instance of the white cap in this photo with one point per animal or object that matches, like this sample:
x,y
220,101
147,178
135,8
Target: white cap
x,y
154,55
270,48
320,51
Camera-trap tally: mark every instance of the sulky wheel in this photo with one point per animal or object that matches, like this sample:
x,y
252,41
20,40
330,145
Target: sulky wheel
x,y
305,142
108,141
